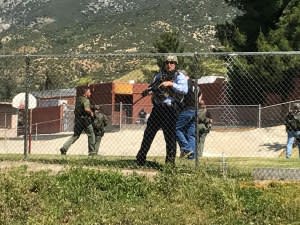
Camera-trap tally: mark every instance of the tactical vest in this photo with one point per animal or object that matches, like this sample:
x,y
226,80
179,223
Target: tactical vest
x,y
190,98
161,93
79,107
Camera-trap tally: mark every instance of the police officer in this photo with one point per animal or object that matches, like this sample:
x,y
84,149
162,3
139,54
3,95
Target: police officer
x,y
142,115
100,121
167,89
292,124
204,124
83,122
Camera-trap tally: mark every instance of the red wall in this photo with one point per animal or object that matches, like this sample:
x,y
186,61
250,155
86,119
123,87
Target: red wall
x,y
296,92
140,102
47,120
212,92
101,93
6,112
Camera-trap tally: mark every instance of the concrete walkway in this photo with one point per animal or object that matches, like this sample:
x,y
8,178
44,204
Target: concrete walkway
x,y
267,142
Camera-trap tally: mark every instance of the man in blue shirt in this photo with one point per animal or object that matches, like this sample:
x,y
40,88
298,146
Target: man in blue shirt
x,y
167,90
186,122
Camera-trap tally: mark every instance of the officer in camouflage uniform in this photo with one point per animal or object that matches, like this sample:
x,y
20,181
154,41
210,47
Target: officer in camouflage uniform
x,y
167,88
292,124
203,126
100,121
83,122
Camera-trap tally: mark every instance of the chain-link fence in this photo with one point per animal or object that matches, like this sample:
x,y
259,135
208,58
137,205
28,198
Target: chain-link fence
x,y
247,96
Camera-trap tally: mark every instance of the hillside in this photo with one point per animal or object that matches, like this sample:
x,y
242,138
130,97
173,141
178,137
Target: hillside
x,y
108,25
97,26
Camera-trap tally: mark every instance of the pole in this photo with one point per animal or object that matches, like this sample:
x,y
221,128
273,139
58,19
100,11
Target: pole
x,y
197,154
259,116
36,131
30,131
27,62
121,110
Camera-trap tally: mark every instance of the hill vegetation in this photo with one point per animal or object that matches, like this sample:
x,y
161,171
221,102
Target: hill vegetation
x,y
89,26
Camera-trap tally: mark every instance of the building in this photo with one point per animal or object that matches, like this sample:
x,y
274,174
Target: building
x,y
55,97
121,101
8,120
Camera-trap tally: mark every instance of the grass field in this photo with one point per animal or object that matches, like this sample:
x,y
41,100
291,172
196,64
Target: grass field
x,y
86,190
243,164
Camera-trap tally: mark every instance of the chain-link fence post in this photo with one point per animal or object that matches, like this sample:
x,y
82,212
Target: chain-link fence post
x,y
259,116
27,63
121,114
197,154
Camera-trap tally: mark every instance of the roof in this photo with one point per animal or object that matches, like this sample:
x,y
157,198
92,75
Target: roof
x,y
210,79
55,93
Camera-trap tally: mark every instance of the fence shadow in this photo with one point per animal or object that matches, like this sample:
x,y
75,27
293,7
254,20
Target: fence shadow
x,y
275,147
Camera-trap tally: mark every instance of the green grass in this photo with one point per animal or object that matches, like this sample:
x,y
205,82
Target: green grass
x,y
174,196
242,164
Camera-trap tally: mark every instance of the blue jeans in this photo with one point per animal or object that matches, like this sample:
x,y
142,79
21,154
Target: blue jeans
x,y
186,129
291,138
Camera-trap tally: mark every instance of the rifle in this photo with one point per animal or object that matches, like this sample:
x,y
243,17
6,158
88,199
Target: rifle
x,y
155,85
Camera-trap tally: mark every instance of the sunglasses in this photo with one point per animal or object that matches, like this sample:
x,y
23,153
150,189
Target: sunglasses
x,y
169,62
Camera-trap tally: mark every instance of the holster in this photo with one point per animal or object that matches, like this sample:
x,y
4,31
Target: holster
x,y
86,120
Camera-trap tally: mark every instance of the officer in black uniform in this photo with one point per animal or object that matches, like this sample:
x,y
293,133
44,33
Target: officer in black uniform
x,y
167,89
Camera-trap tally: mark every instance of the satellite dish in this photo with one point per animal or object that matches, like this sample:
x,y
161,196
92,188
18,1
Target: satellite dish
x,y
19,101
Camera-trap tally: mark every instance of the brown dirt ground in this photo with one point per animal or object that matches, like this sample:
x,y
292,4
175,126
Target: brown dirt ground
x,y
56,168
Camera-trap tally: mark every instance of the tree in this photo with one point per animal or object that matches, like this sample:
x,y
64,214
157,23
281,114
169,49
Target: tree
x,y
11,81
286,35
168,42
270,25
258,17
